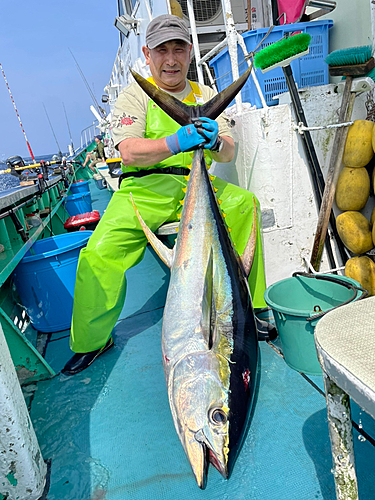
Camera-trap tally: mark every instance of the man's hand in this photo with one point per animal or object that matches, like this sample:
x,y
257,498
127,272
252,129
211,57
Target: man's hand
x,y
209,129
202,133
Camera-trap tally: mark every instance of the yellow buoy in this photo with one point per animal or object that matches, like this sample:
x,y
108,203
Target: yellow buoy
x,y
355,232
358,147
353,188
362,269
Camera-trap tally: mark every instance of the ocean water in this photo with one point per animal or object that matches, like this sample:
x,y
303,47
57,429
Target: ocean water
x,y
8,181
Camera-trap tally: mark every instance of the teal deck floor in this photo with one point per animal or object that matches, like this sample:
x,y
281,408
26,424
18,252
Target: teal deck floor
x,y
108,431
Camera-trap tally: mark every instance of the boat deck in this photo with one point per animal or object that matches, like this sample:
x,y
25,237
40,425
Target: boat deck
x,y
107,433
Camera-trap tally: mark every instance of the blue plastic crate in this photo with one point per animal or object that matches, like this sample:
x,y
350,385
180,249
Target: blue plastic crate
x,y
308,71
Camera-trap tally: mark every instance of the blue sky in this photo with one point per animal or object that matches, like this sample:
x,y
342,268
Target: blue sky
x,y
35,39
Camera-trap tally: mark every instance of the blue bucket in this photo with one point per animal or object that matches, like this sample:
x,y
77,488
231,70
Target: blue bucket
x,y
77,204
45,280
80,187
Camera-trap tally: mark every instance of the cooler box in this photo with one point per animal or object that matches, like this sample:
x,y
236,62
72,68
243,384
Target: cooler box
x,y
114,167
99,181
87,221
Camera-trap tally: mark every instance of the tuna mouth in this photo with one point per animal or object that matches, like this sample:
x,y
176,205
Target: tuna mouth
x,y
206,456
197,454
213,459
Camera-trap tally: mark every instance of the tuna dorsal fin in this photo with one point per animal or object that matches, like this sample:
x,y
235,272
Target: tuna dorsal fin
x,y
165,253
247,258
182,113
208,305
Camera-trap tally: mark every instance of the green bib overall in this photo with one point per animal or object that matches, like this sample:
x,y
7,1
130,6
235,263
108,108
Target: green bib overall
x,y
118,242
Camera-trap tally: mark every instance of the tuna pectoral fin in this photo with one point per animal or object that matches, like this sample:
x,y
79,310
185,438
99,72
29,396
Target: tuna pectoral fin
x,y
208,305
247,257
165,253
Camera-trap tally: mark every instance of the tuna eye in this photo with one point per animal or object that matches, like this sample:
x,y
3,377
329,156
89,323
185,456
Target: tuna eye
x,y
218,416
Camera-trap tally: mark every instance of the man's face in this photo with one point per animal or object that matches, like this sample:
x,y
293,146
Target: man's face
x,y
169,64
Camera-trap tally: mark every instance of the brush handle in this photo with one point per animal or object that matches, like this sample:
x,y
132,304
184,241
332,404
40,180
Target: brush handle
x,y
314,166
346,110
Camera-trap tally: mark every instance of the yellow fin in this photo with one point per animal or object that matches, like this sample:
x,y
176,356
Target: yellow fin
x,y
184,189
182,201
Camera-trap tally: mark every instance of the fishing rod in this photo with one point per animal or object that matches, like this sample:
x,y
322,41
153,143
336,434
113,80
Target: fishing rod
x,y
53,132
28,167
99,108
18,116
67,122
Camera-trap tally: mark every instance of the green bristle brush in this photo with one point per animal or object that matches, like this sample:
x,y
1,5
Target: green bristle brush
x,y
354,61
281,53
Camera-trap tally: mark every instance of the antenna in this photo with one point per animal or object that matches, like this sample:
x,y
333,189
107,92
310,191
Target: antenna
x,y
70,135
18,116
99,108
53,132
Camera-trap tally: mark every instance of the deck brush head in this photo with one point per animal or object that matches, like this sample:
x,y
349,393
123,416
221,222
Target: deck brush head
x,y
350,56
282,50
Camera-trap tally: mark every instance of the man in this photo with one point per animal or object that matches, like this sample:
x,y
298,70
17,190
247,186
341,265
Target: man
x,y
96,155
156,153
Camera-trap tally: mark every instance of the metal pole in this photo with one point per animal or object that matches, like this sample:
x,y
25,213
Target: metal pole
x,y
194,36
232,45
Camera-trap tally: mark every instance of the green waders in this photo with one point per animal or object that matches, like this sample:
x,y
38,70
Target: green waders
x,y
118,242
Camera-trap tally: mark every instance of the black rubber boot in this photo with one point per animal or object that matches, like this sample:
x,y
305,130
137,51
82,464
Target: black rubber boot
x,y
266,331
81,361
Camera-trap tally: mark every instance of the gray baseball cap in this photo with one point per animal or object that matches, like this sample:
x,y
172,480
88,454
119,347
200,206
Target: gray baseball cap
x,y
165,28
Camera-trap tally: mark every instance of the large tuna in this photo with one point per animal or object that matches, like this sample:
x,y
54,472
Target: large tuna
x,y
209,337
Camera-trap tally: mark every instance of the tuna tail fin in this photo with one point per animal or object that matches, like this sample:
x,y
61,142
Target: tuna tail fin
x,y
165,253
215,106
183,113
247,258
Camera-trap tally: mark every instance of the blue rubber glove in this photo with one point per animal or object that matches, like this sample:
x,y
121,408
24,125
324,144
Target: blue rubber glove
x,y
209,129
203,133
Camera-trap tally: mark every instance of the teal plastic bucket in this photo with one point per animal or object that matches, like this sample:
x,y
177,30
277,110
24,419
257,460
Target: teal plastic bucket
x,y
45,280
79,203
297,304
80,187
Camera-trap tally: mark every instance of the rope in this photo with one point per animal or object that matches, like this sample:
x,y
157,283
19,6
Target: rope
x,y
301,128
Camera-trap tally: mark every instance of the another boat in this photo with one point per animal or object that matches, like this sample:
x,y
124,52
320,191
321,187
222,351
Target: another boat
x,y
107,433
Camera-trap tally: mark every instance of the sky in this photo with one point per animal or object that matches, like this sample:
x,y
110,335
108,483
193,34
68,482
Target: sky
x,y
35,39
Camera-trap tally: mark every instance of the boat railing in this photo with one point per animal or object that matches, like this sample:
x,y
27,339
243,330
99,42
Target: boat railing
x,y
88,134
